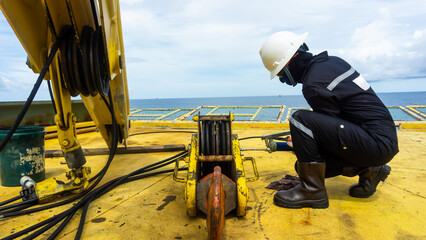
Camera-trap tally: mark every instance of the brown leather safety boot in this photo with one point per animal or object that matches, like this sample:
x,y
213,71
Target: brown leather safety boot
x,y
311,190
369,178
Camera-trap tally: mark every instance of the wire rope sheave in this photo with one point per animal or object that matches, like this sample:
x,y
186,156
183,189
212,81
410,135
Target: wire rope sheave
x,y
85,72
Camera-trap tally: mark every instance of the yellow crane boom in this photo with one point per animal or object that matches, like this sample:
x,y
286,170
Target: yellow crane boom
x,y
89,62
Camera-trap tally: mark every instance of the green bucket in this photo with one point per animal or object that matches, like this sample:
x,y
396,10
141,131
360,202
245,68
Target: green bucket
x,y
23,155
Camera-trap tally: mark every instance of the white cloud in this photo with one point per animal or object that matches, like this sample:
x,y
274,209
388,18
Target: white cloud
x,y
192,48
4,84
419,34
390,46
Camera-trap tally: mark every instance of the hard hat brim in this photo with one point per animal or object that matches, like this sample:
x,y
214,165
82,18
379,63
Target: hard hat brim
x,y
285,60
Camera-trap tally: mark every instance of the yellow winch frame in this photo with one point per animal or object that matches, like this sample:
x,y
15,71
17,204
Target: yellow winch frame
x,y
191,180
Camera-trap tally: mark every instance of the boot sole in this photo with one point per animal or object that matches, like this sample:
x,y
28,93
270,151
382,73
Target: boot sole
x,y
383,174
322,203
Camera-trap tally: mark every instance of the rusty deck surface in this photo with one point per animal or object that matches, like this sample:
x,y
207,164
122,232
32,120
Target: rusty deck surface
x,y
154,208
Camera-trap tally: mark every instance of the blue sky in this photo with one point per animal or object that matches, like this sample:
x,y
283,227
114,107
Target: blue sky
x,y
209,48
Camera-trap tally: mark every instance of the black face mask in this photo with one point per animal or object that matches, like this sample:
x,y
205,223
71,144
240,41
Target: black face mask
x,y
285,77
298,65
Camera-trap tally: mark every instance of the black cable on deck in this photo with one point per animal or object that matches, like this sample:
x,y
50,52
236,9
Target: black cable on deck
x,y
10,200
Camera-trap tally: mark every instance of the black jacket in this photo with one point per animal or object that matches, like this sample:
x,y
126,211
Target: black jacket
x,y
331,86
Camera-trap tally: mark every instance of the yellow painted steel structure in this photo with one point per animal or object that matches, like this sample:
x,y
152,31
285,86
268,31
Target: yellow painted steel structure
x,y
191,179
36,22
414,109
193,172
141,209
38,25
242,190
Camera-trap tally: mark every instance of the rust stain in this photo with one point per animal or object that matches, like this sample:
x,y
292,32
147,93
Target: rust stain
x,y
166,201
307,220
213,158
216,206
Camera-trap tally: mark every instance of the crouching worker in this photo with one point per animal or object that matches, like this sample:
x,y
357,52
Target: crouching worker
x,y
350,132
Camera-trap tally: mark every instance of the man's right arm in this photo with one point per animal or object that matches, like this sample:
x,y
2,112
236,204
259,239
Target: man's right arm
x,y
322,100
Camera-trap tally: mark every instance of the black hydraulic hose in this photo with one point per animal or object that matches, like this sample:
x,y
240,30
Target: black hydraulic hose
x,y
35,234
130,179
59,217
18,204
115,142
95,15
40,224
35,88
113,183
93,195
83,218
69,200
17,209
96,193
10,200
147,168
29,229
98,178
109,185
55,219
62,226
114,136
70,212
38,209
51,96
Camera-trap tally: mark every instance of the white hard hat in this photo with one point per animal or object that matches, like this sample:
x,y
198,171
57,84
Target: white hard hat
x,y
278,49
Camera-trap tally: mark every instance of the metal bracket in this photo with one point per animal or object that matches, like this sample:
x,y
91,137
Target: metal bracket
x,y
256,173
51,188
175,172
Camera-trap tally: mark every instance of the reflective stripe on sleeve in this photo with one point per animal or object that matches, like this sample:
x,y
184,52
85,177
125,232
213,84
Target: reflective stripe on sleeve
x,y
340,78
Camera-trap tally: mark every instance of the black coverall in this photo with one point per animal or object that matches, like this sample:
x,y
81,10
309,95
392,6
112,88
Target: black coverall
x,y
349,125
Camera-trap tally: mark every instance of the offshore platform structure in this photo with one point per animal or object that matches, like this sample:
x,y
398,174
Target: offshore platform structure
x,y
77,46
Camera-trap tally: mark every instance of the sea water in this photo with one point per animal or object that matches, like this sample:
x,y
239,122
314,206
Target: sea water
x,y
292,101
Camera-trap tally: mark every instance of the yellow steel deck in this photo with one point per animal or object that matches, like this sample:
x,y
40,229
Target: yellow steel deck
x,y
154,208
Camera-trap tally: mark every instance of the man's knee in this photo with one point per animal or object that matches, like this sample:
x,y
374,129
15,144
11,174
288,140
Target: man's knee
x,y
299,122
301,115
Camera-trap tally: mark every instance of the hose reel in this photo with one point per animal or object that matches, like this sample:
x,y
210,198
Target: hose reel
x,y
84,63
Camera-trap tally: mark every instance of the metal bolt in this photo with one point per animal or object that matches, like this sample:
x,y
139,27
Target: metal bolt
x,y
77,181
65,142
